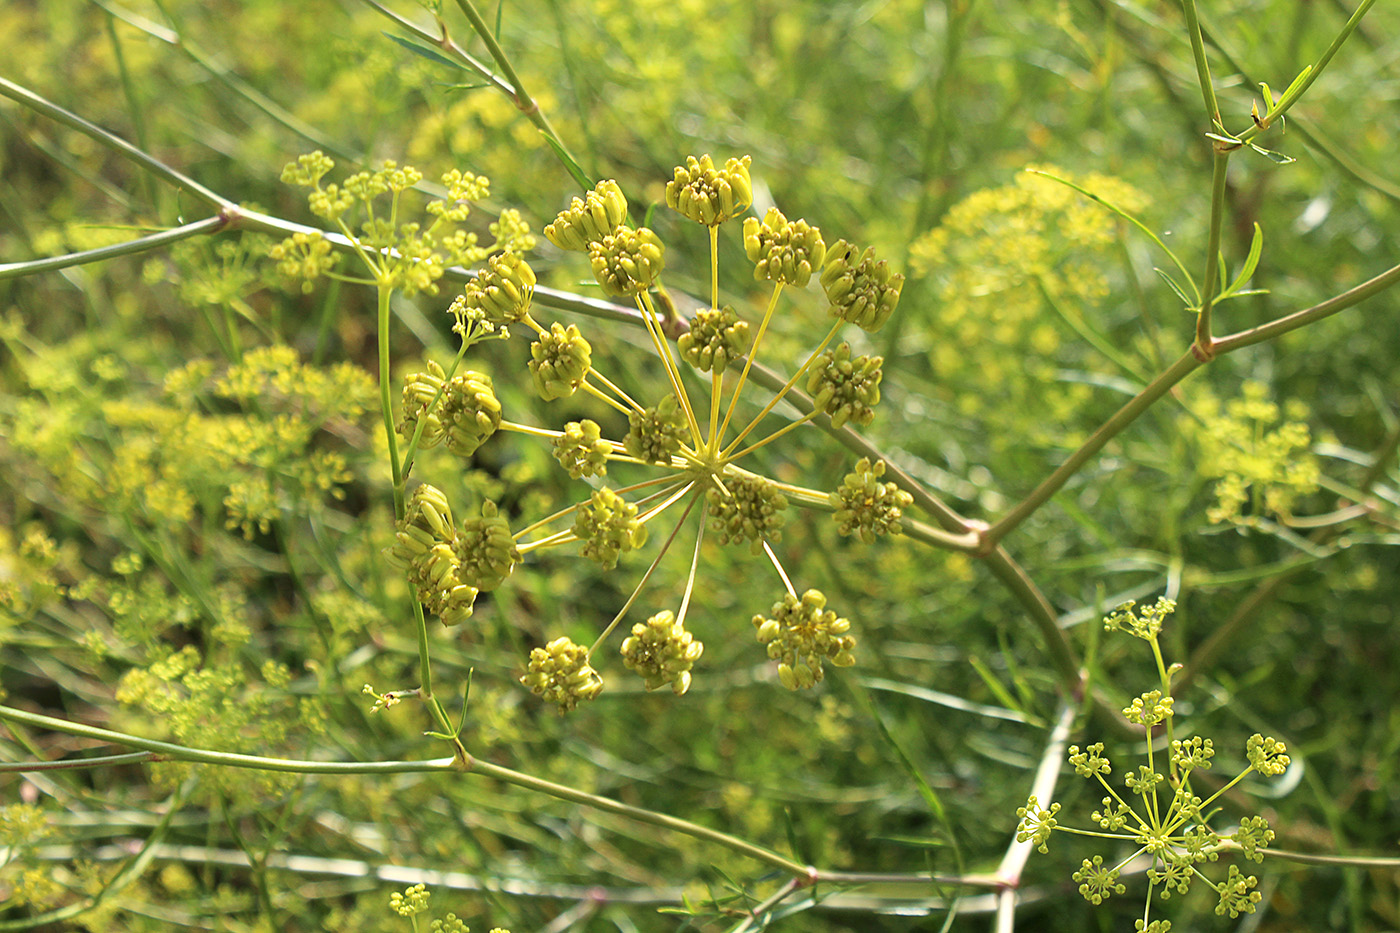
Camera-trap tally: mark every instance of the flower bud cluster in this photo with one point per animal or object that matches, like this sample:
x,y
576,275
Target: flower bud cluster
x,y
861,292
486,549
423,545
560,673
708,195
1266,755
656,434
608,527
867,507
503,290
846,388
752,510
662,651
560,359
588,219
468,413
800,634
783,251
626,262
581,449
716,338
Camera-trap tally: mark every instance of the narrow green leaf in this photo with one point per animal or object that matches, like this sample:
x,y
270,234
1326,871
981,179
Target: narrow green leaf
x,y
1276,157
500,8
431,54
1234,143
1268,96
1302,76
575,171
994,685
1180,292
1251,262
1132,220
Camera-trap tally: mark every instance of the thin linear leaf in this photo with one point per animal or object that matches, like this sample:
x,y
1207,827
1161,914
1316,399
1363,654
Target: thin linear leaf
x,y
430,54
1180,292
1251,262
1130,219
575,170
1276,157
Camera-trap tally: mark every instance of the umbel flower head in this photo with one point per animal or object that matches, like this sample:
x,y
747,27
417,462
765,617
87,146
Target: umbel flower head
x,y
800,634
503,289
559,361
716,338
862,292
470,412
427,521
708,195
560,673
627,262
867,507
751,511
466,412
783,251
581,450
662,651
589,219
846,388
656,433
608,527
486,549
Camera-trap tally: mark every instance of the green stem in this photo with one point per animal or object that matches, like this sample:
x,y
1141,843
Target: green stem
x,y
1210,280
151,164
522,98
1308,316
1106,432
1294,93
208,225
1198,52
173,752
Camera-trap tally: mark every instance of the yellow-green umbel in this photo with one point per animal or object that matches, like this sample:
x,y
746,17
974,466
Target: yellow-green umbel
x,y
782,250
486,549
751,511
662,651
867,507
656,433
559,361
626,262
845,387
716,338
503,290
608,527
588,219
581,449
560,673
708,195
800,634
861,291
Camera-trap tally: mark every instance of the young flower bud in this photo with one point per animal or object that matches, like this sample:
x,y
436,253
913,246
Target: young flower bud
x,y
486,549
439,586
846,389
867,507
861,292
470,412
783,251
662,651
503,290
626,262
560,673
419,391
715,339
581,449
427,521
560,361
608,527
801,634
657,433
752,511
709,196
589,219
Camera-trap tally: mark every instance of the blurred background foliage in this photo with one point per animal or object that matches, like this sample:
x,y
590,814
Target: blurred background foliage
x,y
190,527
